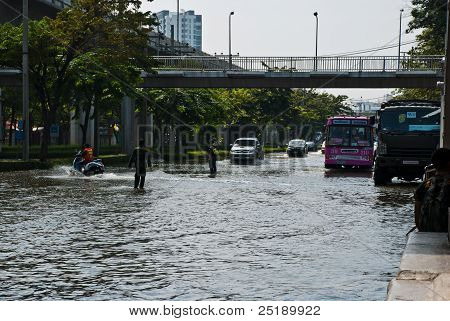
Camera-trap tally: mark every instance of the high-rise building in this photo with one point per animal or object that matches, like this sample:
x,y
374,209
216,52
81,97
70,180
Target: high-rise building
x,y
190,27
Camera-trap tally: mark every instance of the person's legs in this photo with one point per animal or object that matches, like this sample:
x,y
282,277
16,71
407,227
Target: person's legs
x,y
141,185
136,180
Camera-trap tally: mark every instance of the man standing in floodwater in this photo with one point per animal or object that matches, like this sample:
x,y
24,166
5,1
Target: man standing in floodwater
x,y
140,158
212,157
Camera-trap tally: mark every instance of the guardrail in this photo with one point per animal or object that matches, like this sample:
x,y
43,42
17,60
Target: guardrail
x,y
301,64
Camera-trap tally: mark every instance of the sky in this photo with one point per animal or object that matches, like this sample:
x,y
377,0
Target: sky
x,y
287,27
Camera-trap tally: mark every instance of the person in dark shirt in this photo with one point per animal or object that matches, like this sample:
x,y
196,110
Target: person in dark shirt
x,y
441,164
140,160
212,158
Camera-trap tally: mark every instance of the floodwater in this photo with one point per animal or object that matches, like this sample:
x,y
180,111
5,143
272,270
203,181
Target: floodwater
x,y
285,229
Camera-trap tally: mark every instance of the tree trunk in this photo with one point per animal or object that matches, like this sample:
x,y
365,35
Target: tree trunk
x,y
85,125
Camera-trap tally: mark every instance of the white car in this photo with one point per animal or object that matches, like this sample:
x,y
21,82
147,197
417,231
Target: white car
x,y
246,150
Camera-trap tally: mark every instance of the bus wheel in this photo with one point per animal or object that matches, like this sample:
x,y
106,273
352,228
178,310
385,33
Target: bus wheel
x,y
381,178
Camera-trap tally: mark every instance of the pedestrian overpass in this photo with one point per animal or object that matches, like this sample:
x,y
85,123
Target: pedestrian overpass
x,y
295,72
285,72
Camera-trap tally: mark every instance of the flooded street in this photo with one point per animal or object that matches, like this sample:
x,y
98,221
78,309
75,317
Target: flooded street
x,y
285,229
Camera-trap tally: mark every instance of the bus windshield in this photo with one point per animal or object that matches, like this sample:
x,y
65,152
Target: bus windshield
x,y
350,136
411,120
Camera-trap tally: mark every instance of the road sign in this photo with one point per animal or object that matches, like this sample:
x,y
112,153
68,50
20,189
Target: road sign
x,y
20,125
54,131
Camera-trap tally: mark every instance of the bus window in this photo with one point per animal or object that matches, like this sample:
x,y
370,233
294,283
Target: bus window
x,y
361,136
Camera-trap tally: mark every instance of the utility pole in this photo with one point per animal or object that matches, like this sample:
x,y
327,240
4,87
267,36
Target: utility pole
x,y
178,21
400,39
25,90
445,123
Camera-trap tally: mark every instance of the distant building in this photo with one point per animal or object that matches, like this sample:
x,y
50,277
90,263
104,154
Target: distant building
x,y
190,29
366,107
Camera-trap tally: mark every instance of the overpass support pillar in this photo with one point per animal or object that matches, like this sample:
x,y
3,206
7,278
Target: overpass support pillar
x,y
127,125
445,120
1,121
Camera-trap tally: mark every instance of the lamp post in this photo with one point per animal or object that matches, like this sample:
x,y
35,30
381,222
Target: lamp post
x,y
25,83
400,39
178,21
316,14
229,44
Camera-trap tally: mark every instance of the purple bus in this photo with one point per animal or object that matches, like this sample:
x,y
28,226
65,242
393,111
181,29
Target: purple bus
x,y
349,142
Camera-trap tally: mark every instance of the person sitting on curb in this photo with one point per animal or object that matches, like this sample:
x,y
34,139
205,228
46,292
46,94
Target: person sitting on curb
x,y
433,196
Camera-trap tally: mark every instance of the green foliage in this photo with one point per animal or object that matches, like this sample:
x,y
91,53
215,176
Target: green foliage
x,y
414,94
429,17
244,106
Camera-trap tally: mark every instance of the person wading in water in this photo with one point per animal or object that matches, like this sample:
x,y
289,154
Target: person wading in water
x,y
212,158
140,159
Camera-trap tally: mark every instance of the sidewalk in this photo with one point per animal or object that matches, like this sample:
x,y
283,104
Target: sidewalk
x,y
424,270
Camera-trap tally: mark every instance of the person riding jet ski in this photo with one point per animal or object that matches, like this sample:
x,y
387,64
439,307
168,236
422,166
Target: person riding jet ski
x,y
85,163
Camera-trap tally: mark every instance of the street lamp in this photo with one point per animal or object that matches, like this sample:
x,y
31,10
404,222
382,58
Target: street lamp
x,y
178,21
159,34
229,44
400,38
316,14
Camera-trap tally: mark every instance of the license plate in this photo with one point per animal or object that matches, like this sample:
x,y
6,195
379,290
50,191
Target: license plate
x,y
410,162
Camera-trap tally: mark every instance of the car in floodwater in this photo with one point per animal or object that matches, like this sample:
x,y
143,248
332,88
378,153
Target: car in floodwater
x,y
312,147
297,147
246,150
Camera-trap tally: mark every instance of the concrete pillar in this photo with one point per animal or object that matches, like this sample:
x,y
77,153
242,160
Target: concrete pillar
x,y
446,107
127,125
1,121
442,88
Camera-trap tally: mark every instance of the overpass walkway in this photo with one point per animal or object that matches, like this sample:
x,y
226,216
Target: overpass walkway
x,y
295,72
285,72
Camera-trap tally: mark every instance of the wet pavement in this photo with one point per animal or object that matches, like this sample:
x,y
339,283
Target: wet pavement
x,y
284,229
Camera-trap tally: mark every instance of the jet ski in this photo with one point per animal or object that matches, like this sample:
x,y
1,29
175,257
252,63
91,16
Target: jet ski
x,y
95,167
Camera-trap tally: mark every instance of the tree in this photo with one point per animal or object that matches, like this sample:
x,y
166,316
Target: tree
x,y
114,29
430,17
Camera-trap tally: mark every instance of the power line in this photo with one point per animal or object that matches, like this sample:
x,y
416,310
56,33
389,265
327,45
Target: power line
x,y
370,50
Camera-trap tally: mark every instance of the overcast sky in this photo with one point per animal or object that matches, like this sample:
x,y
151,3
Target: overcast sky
x,y
287,27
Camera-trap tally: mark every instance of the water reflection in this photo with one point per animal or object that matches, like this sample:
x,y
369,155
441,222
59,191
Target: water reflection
x,y
281,230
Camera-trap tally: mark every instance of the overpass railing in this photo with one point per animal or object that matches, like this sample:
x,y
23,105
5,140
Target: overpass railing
x,y
301,64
